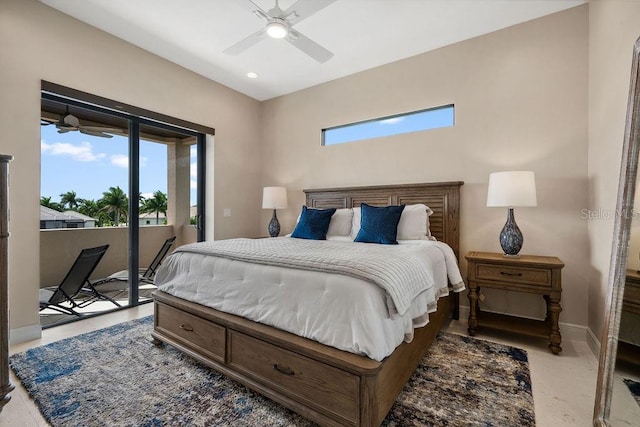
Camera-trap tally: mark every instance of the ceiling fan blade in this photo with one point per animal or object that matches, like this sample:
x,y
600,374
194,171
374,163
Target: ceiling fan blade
x,y
308,46
100,134
262,15
102,129
305,8
255,6
246,43
62,129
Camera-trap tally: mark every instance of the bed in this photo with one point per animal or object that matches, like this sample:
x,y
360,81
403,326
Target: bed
x,y
320,382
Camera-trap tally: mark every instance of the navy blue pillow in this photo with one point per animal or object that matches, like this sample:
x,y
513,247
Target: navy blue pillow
x,y
313,224
379,224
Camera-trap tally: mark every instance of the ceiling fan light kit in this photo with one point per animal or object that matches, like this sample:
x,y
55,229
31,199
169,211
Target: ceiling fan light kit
x,y
277,28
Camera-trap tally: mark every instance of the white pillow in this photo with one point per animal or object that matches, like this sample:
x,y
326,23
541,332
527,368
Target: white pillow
x,y
413,225
355,224
340,224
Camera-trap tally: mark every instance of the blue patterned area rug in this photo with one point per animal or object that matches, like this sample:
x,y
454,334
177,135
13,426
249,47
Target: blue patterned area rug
x,y
117,377
634,388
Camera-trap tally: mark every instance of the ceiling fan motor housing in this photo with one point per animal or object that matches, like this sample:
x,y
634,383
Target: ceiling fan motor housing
x,y
71,120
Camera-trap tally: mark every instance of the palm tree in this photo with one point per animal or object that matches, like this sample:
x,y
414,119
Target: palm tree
x,y
157,204
94,210
69,199
46,201
116,201
88,207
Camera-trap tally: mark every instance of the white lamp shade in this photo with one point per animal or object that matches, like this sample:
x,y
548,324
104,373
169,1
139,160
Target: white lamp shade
x,y
512,189
274,198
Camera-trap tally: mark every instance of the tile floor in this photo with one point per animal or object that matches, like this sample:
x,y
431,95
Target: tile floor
x,y
563,386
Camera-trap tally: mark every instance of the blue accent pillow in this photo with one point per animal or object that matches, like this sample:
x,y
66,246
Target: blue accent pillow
x,y
313,224
379,224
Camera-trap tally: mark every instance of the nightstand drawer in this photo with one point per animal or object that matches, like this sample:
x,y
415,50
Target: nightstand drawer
x,y
530,276
631,299
632,292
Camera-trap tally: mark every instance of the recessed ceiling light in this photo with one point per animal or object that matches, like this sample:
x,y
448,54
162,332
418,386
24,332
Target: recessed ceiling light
x,y
252,75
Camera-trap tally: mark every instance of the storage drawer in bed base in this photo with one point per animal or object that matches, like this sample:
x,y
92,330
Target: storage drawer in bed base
x,y
192,331
326,385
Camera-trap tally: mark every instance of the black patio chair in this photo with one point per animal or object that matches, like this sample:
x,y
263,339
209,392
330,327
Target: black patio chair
x,y
145,275
75,290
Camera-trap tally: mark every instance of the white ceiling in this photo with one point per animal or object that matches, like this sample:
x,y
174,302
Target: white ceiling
x,y
362,34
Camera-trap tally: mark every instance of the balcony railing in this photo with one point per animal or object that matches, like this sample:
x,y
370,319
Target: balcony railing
x,y
60,247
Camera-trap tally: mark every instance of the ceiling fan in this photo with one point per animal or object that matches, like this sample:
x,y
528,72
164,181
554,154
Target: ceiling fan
x,y
68,122
279,25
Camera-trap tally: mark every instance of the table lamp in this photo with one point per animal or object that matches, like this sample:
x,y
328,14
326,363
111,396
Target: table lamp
x,y
511,189
274,198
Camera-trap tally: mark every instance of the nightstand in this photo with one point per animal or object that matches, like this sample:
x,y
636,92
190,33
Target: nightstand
x,y
539,275
631,298
628,352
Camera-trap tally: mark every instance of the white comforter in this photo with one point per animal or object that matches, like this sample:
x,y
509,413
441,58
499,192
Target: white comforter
x,y
346,312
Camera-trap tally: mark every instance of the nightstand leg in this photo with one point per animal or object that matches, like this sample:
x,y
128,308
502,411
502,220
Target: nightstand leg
x,y
473,305
554,310
546,314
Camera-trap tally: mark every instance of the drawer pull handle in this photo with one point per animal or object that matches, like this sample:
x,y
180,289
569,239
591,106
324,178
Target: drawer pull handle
x,y
504,273
186,328
283,370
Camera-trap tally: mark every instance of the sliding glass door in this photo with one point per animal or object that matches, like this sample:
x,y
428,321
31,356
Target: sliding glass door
x,y
110,178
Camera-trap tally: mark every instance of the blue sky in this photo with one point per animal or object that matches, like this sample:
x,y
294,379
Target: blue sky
x,y
89,165
410,122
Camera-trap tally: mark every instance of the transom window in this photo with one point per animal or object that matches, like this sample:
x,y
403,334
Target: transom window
x,y
415,121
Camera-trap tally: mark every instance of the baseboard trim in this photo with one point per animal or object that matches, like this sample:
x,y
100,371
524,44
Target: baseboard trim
x,y
569,331
594,343
26,333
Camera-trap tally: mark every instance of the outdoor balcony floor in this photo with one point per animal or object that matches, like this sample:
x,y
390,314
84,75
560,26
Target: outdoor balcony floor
x,y
119,291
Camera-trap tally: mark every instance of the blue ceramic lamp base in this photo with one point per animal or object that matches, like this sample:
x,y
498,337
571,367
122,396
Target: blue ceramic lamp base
x,y
511,238
274,225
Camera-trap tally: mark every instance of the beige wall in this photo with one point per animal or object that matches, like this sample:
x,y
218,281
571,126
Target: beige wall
x,y
38,43
521,103
613,29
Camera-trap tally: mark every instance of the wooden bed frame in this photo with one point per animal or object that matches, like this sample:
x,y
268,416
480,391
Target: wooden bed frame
x,y
326,385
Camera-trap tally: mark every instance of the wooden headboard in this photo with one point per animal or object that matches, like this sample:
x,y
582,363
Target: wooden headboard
x,y
442,197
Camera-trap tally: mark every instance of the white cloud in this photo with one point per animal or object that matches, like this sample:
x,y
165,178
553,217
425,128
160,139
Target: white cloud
x,y
194,175
82,152
147,195
120,160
